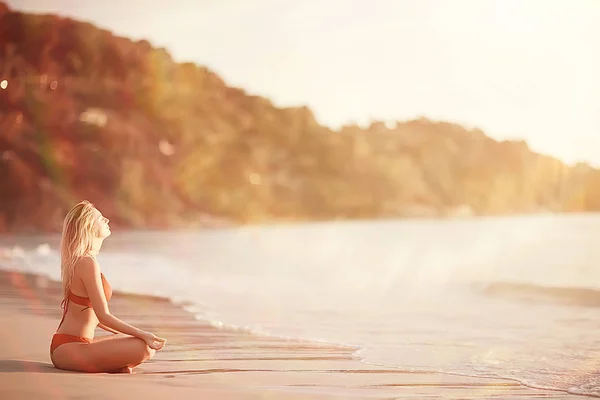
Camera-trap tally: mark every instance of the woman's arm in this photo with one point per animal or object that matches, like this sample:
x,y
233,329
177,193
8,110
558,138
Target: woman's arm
x,y
107,329
90,275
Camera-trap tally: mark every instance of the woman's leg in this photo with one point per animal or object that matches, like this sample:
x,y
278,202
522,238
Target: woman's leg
x,y
114,355
124,370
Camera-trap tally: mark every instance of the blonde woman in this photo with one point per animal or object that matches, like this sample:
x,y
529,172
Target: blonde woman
x,y
85,304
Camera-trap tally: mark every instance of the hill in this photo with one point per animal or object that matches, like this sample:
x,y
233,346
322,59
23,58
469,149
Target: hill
x,y
155,143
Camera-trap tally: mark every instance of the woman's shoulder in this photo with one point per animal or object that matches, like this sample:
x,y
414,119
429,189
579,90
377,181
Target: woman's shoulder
x,y
87,264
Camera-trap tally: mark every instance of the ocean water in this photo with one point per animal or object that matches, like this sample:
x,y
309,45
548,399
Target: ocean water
x,y
512,297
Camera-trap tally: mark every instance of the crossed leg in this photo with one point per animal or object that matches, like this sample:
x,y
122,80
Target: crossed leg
x,y
112,354
124,370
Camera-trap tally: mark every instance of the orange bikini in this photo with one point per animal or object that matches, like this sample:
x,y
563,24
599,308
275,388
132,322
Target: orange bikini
x,y
61,338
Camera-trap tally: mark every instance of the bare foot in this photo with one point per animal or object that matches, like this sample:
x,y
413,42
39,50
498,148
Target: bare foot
x,y
124,370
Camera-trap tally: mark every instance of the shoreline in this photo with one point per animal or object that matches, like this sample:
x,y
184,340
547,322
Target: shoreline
x,y
290,222
201,360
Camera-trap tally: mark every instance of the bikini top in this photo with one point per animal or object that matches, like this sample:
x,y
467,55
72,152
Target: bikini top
x,y
85,301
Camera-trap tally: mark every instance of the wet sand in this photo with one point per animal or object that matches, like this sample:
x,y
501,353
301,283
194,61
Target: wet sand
x,y
201,361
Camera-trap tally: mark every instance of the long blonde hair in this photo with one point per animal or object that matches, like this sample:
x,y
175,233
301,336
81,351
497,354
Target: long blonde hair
x,y
77,241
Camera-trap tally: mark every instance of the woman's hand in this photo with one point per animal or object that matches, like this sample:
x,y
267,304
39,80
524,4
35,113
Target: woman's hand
x,y
153,341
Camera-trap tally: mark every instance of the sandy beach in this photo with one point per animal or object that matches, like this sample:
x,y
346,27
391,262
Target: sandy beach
x,y
201,361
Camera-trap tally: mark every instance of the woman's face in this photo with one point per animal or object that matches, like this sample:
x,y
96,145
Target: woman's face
x,y
102,225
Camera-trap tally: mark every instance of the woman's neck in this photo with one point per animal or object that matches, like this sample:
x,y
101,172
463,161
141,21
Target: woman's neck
x,y
96,246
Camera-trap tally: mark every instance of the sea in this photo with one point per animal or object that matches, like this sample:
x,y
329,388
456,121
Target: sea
x,y
513,297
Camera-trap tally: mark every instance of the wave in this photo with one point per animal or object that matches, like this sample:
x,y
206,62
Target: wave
x,y
570,296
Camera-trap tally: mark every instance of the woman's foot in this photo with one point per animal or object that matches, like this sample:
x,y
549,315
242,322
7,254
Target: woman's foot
x,y
124,370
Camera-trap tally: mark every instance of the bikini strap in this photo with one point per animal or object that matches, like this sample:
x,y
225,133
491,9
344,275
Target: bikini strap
x,y
64,304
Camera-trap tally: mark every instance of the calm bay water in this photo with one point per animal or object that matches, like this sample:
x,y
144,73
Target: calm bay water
x,y
514,297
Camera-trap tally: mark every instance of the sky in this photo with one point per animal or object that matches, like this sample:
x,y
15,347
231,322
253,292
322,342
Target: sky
x,y
517,69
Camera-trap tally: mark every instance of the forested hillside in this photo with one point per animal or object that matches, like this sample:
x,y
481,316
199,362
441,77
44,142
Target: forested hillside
x,y
154,143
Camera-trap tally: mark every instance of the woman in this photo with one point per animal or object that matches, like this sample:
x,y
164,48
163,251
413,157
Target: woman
x,y
85,296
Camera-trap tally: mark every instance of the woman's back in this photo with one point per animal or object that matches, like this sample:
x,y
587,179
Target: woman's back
x,y
79,318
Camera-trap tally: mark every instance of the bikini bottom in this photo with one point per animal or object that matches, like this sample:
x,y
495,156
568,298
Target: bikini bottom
x,y
61,338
